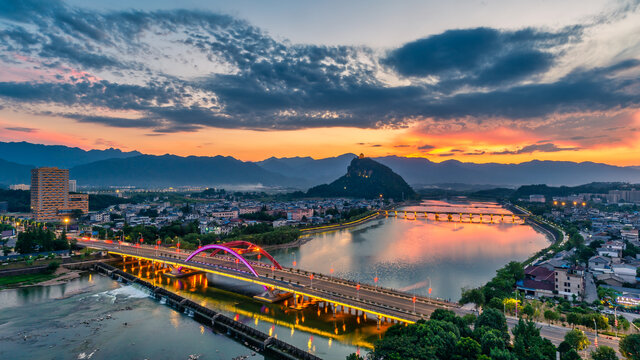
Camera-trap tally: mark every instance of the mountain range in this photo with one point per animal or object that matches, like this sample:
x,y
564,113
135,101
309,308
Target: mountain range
x,y
115,167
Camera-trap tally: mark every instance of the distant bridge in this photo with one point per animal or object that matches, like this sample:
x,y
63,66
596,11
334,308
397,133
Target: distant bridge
x,y
458,216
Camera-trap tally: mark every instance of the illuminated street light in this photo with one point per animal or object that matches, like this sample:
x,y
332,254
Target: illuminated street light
x,y
66,222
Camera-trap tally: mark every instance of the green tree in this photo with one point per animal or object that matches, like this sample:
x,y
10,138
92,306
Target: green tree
x,y
354,356
502,354
493,319
630,347
577,339
528,310
572,354
475,296
604,353
551,315
467,349
529,345
491,339
574,319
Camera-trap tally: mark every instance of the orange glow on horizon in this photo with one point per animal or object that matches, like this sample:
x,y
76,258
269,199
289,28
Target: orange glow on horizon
x,y
467,145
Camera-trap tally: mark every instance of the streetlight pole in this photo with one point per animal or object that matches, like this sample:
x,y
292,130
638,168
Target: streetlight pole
x,y
516,293
595,325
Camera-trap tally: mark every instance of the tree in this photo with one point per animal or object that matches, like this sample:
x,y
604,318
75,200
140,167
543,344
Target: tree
x,y
528,310
529,345
467,349
577,339
604,353
493,319
551,315
574,319
572,354
630,347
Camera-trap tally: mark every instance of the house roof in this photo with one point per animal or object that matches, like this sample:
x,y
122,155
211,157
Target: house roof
x,y
538,285
539,273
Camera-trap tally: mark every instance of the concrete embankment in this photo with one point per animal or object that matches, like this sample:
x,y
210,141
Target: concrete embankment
x,y
255,339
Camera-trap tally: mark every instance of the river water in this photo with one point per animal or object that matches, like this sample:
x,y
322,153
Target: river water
x,y
71,321
410,254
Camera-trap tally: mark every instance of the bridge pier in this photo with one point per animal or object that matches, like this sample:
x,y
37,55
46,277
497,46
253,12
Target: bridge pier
x,y
378,322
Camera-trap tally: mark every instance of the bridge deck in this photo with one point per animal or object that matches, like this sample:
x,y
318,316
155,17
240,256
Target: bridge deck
x,y
376,301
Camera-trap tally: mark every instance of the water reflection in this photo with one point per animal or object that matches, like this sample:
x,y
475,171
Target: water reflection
x,y
311,326
408,254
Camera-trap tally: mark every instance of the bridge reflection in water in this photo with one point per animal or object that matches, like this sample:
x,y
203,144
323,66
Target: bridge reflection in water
x,y
295,325
458,216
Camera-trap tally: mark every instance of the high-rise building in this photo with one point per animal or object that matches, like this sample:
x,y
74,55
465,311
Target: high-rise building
x,y
49,192
50,198
72,186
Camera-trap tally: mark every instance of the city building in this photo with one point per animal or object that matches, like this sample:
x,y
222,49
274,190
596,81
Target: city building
x,y
298,214
72,186
19,187
537,198
50,198
538,281
629,235
570,282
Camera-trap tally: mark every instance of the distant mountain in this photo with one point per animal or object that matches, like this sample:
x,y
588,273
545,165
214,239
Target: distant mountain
x,y
12,173
312,171
423,172
56,155
365,178
171,170
420,171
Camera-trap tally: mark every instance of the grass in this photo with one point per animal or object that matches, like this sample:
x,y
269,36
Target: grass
x,y
26,279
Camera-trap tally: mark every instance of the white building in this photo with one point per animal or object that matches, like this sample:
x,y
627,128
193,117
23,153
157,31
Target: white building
x,y
20,187
537,198
72,186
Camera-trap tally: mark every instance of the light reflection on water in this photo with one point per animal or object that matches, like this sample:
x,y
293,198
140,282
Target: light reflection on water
x,y
409,254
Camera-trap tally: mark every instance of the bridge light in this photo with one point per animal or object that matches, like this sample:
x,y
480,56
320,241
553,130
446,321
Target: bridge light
x,y
429,291
413,299
375,279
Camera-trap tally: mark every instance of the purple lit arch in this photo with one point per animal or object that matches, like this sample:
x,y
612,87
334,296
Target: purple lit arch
x,y
227,249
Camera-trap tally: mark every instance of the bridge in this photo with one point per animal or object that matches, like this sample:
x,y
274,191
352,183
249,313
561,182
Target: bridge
x,y
458,216
339,295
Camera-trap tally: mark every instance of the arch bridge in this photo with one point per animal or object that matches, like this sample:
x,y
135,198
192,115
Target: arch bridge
x,y
306,287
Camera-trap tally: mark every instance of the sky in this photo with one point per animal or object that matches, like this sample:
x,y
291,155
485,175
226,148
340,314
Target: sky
x,y
478,81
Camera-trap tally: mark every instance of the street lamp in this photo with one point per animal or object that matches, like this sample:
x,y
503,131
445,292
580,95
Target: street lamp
x,y
66,222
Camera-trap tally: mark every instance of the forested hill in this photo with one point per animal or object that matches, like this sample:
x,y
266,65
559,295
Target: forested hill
x,y
366,178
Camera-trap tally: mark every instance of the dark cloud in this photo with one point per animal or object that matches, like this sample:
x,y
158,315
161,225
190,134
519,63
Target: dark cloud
x,y
376,145
426,147
480,56
21,129
548,147
481,73
446,154
476,152
402,146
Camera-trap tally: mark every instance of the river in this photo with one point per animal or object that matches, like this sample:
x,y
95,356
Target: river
x,y
70,321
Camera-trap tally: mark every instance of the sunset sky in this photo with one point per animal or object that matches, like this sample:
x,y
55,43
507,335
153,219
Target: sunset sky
x,y
480,81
